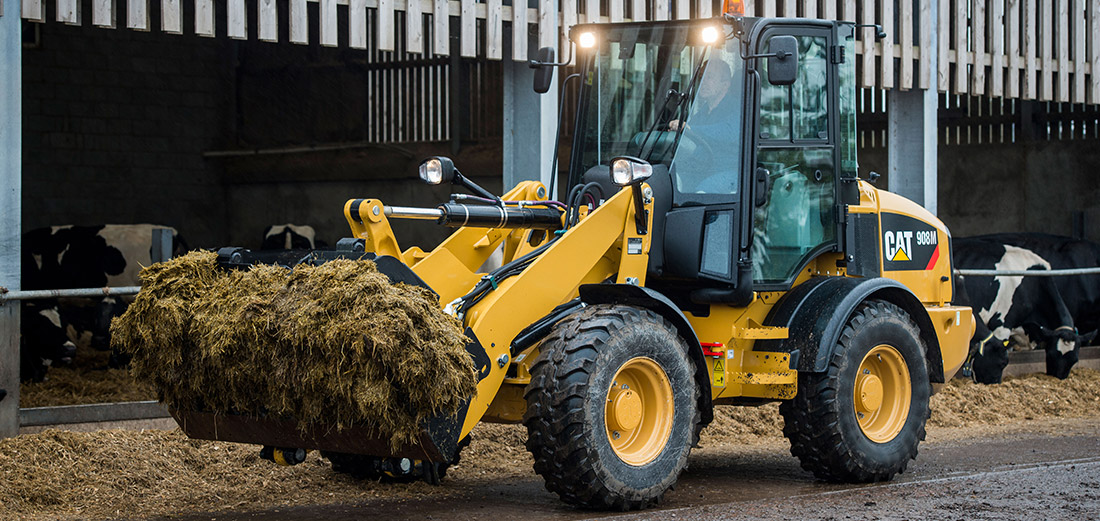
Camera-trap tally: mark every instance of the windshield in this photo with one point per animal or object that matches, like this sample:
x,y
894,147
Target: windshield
x,y
660,94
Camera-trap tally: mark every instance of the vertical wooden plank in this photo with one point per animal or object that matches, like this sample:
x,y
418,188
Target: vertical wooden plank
x,y
943,39
384,25
548,23
977,40
414,27
267,18
104,13
441,27
1062,33
828,9
926,46
1077,17
1046,78
790,8
357,24
171,16
867,35
996,28
750,7
1094,51
615,10
768,8
34,10
809,8
519,31
494,31
327,23
568,20
887,44
703,9
137,15
962,75
592,10
849,13
683,8
68,11
637,11
236,21
906,15
299,22
1031,26
467,37
1015,62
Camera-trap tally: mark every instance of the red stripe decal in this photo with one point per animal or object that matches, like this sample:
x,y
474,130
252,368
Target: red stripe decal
x,y
935,257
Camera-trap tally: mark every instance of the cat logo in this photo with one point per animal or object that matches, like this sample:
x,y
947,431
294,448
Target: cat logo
x,y
898,246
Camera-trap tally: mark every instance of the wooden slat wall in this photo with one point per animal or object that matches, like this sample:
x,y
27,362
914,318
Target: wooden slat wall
x,y
1027,49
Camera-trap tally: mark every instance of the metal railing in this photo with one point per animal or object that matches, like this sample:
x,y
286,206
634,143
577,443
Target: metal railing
x,y
1029,273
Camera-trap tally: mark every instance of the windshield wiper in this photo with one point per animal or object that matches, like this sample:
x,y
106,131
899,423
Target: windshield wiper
x,y
666,105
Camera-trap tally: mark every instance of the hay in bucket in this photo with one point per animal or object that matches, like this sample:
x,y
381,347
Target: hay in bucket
x,y
334,345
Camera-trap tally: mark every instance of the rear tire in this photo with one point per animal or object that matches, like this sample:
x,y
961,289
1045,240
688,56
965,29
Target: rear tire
x,y
611,408
840,434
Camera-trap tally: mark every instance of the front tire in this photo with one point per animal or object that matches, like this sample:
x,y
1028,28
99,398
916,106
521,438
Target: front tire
x,y
611,408
862,419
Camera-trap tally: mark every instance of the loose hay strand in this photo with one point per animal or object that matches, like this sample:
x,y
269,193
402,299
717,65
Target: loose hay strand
x,y
334,345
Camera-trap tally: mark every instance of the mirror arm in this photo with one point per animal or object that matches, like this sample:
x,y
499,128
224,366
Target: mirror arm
x,y
782,55
879,32
534,64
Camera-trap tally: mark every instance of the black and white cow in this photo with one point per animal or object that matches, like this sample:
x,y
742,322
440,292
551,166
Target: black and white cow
x,y
44,342
290,237
1060,314
62,257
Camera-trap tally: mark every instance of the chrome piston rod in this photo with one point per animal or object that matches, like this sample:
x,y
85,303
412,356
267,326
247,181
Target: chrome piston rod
x,y
408,212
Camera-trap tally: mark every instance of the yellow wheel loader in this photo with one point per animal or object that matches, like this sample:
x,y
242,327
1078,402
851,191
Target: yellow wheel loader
x,y
715,247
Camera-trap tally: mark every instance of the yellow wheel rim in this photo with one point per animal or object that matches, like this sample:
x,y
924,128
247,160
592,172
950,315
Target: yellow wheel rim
x,y
639,411
882,393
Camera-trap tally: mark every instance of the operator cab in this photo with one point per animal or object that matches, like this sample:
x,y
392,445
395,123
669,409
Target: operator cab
x,y
746,172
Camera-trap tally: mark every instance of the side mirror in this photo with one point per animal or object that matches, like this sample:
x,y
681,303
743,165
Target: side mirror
x,y
544,70
782,60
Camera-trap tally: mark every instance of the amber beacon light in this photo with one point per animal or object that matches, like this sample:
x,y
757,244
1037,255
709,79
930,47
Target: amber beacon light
x,y
735,8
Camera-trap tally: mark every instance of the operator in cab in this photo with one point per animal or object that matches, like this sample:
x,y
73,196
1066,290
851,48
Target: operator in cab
x,y
708,156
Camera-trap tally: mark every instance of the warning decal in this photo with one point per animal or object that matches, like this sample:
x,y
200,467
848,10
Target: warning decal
x,y
718,373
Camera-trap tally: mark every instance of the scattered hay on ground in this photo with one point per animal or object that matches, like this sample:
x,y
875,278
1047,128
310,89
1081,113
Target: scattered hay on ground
x,y
336,344
87,380
134,474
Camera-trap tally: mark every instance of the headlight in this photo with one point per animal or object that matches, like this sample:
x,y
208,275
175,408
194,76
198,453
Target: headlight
x,y
626,171
587,40
437,170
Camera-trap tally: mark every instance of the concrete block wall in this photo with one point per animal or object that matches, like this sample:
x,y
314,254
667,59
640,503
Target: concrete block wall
x,y
115,125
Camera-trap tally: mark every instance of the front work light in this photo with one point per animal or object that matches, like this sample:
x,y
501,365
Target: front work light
x,y
587,40
437,170
710,34
626,170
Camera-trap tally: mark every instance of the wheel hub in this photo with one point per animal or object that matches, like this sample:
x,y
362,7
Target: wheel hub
x,y
626,410
870,392
882,393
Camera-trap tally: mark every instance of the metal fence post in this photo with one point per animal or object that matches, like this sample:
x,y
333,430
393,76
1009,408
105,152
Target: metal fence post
x,y
11,79
162,245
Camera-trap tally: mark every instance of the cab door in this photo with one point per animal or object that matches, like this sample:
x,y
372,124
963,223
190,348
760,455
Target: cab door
x,y
795,136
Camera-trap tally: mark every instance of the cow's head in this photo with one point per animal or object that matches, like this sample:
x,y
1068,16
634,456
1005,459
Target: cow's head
x,y
988,356
1063,347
